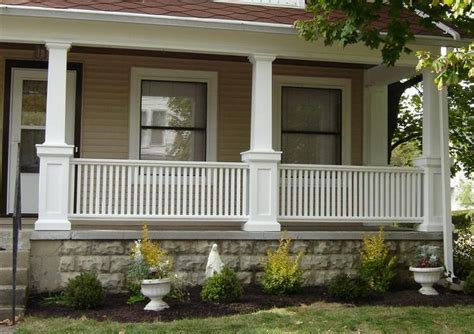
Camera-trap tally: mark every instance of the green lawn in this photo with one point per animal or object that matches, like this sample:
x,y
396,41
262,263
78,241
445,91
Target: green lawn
x,y
316,318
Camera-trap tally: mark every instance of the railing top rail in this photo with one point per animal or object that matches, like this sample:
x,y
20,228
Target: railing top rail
x,y
352,168
156,163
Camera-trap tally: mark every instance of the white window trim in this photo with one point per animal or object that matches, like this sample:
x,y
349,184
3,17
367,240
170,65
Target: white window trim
x,y
142,73
315,82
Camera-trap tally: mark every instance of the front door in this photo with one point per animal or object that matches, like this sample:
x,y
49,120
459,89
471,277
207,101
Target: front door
x,y
27,126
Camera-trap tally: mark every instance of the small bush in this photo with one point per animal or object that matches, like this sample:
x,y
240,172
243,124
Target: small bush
x,y
282,274
463,253
222,287
84,291
469,284
377,267
348,288
463,219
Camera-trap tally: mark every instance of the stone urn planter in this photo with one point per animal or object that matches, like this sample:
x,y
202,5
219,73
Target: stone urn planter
x,y
156,289
426,277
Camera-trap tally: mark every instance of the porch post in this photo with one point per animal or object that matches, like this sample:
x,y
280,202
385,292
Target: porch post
x,y
430,160
262,159
375,134
54,153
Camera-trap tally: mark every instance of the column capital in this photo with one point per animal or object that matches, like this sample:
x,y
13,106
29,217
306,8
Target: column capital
x,y
58,45
261,57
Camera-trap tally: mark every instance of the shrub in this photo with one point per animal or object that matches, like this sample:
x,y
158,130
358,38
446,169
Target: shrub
x,y
469,284
348,288
463,253
282,274
463,219
377,267
222,287
84,291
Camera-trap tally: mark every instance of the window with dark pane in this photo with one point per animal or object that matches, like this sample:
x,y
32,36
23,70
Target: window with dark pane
x,y
311,125
173,120
33,119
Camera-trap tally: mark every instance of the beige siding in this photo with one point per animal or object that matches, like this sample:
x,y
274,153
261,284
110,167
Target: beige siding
x,y
106,99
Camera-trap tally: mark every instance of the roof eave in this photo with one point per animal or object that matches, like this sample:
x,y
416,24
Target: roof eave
x,y
194,22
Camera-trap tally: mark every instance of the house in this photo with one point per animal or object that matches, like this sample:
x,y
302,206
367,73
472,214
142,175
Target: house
x,y
209,121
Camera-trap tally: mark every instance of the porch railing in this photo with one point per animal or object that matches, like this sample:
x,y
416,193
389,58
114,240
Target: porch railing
x,y
128,189
137,189
350,193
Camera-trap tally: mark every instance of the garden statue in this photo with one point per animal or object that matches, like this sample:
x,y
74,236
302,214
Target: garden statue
x,y
214,262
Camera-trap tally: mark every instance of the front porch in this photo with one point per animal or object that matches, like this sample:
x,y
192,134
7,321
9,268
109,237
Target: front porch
x,y
347,186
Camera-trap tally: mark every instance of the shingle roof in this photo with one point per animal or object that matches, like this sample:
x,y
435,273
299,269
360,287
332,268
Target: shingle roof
x,y
205,9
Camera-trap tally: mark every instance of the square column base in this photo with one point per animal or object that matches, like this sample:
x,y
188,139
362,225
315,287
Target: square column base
x,y
53,206
263,191
432,190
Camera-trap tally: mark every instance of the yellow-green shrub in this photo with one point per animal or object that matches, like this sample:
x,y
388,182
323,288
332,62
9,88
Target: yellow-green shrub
x,y
377,267
282,273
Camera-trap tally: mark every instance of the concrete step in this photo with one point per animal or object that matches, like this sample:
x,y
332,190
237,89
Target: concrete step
x,y
6,240
6,312
6,276
6,295
23,259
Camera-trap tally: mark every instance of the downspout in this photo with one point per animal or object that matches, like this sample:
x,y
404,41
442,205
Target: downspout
x,y
445,161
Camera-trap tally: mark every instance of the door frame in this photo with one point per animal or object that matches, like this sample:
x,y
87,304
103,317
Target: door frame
x,y
31,64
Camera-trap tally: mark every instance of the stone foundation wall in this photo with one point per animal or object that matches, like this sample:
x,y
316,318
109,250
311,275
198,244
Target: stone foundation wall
x,y
53,262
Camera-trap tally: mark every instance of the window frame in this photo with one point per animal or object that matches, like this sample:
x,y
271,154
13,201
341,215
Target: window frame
x,y
138,74
342,84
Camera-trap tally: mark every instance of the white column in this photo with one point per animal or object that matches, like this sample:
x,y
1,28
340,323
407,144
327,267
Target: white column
x,y
430,160
446,181
54,153
262,159
375,125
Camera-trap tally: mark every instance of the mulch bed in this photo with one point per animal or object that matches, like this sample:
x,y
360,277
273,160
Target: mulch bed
x,y
116,308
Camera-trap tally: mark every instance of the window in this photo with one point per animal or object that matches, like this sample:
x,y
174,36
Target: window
x,y
173,124
173,115
311,125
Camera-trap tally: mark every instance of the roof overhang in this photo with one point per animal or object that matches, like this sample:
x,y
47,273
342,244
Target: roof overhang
x,y
40,24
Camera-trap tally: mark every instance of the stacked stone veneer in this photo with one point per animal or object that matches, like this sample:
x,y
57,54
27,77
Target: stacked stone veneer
x,y
53,262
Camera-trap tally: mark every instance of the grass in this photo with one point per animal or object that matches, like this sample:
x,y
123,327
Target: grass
x,y
316,318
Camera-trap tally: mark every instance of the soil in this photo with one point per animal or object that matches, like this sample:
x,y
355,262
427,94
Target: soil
x,y
116,308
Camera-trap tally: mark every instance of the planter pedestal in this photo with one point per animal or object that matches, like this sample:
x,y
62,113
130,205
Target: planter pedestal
x,y
156,289
426,277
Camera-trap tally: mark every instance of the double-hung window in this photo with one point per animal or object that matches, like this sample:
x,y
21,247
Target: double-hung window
x,y
311,125
173,121
173,115
313,119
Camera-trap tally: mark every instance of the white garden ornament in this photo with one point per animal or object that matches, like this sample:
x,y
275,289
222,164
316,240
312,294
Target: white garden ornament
x,y
214,262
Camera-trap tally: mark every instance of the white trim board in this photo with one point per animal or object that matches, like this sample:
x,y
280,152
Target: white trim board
x,y
142,73
315,82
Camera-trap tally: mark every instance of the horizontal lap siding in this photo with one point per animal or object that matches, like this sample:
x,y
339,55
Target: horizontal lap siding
x,y
106,92
106,102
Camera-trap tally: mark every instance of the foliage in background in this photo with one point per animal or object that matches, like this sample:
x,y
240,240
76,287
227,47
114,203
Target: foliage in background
x,y
407,139
377,266
84,291
223,287
465,195
354,21
349,288
463,250
282,273
468,287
